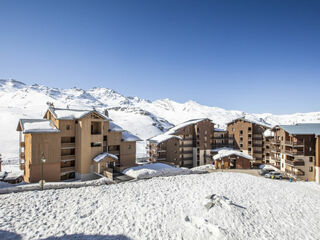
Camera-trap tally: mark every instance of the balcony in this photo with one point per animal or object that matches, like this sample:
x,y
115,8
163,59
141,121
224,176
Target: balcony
x,y
186,145
294,153
296,172
22,144
67,170
297,162
295,144
68,157
186,152
68,145
257,137
277,142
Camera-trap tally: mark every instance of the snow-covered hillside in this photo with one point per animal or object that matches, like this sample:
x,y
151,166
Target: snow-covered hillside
x,y
167,208
142,117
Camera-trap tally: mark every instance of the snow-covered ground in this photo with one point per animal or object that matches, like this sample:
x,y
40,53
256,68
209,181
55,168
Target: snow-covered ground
x,y
154,170
243,207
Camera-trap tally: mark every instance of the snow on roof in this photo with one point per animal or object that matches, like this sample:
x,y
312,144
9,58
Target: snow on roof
x,y
114,127
302,128
219,130
251,120
129,137
72,114
163,137
38,126
268,133
184,124
102,156
226,152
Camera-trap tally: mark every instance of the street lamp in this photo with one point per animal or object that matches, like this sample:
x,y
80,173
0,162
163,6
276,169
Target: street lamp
x,y
43,160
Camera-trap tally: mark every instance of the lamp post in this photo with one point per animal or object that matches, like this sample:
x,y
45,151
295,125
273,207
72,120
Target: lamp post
x,y
43,160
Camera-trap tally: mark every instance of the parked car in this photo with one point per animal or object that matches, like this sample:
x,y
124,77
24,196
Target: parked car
x,y
274,174
265,171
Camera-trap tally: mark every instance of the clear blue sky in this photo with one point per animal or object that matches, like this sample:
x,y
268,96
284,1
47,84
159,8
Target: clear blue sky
x,y
255,56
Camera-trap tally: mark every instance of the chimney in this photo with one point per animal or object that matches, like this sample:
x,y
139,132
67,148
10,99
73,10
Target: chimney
x,y
106,112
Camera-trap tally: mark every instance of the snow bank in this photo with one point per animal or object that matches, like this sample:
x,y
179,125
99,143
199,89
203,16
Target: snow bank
x,y
154,170
13,188
204,168
167,208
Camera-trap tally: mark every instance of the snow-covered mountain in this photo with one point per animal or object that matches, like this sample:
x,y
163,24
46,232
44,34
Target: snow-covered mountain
x,y
142,117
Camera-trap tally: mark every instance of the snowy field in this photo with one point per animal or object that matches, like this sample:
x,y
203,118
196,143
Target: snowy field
x,y
243,207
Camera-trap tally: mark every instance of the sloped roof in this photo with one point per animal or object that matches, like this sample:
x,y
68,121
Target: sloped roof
x,y
115,127
129,137
301,128
162,138
102,156
226,152
184,124
246,119
73,114
37,126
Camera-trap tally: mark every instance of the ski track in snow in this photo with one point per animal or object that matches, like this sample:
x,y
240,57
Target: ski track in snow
x,y
169,208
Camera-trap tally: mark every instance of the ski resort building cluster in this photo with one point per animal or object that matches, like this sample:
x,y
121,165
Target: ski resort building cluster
x,y
83,144
293,149
75,144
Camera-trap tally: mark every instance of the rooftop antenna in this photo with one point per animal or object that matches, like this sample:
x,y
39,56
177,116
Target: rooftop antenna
x,y
50,104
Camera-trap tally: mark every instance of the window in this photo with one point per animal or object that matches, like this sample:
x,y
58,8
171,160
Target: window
x,y
241,132
95,144
249,149
105,138
241,145
68,127
249,135
310,159
249,128
76,121
249,142
310,169
129,146
241,138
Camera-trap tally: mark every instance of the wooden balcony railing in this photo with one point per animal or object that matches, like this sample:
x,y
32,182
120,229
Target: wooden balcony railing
x,y
68,157
68,145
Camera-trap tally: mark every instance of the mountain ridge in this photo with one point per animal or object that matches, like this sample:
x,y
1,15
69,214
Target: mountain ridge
x,y
142,117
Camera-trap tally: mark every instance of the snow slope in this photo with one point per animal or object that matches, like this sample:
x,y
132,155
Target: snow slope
x,y
141,117
167,208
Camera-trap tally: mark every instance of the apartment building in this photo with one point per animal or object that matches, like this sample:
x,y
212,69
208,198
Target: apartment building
x,y
166,149
317,164
73,143
267,138
221,138
248,137
295,150
195,142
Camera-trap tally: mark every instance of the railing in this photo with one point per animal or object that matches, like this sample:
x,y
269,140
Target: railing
x,y
295,162
294,153
68,157
295,144
275,142
186,152
186,145
22,144
68,145
68,169
298,172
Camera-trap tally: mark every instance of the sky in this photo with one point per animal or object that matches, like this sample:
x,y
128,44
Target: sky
x,y
256,56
